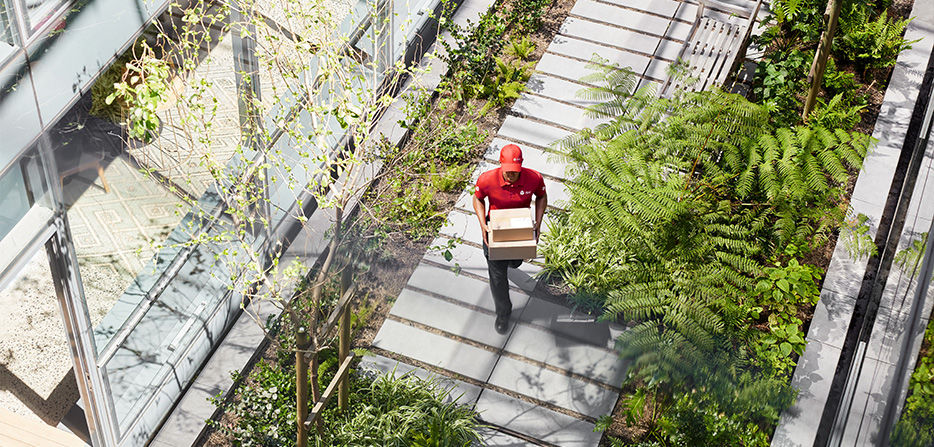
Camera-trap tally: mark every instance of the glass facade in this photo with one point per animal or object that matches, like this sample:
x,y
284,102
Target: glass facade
x,y
96,228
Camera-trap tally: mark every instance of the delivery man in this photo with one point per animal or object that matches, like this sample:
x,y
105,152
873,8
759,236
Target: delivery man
x,y
508,186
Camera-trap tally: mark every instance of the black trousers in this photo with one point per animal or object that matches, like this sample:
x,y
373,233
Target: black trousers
x,y
499,281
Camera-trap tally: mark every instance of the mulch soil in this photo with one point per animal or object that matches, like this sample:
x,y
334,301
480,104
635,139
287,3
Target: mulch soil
x,y
391,265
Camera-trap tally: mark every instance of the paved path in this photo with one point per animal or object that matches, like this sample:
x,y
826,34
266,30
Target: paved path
x,y
546,380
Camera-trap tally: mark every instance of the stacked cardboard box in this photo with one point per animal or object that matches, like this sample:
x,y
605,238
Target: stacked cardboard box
x,y
512,234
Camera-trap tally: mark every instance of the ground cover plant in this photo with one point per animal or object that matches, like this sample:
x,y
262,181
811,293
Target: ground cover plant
x,y
914,427
385,410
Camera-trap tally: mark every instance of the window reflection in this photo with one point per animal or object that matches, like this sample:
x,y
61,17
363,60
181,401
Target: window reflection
x,y
7,33
39,12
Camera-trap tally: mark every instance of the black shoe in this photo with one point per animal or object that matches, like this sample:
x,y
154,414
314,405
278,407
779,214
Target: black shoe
x,y
502,324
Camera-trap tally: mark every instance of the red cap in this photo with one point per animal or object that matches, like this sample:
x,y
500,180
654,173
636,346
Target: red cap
x,y
510,158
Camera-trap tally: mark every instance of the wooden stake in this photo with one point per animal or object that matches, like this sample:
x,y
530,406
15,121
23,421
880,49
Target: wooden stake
x,y
816,75
303,341
343,393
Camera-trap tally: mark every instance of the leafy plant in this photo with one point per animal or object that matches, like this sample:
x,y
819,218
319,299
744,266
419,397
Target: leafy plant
x,y
507,83
779,82
836,113
526,15
143,86
520,48
774,348
785,288
471,51
686,200
875,43
451,179
915,427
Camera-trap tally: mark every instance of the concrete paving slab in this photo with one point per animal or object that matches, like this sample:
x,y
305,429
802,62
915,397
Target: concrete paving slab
x,y
470,259
549,315
527,131
461,392
657,70
614,15
678,31
436,350
665,8
495,438
815,370
462,225
468,290
544,162
609,36
831,318
549,110
451,318
596,363
564,67
871,397
890,333
558,89
557,389
797,426
844,274
648,83
874,182
535,421
584,50
687,12
668,49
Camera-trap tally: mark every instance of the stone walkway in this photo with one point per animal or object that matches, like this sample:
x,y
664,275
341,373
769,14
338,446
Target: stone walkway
x,y
548,379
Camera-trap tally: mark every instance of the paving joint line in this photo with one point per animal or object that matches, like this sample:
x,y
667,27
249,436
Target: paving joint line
x,y
602,44
561,101
541,121
502,352
440,371
450,300
547,150
467,274
640,76
624,28
642,11
516,434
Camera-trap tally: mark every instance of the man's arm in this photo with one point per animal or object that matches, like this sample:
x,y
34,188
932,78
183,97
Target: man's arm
x,y
479,207
541,202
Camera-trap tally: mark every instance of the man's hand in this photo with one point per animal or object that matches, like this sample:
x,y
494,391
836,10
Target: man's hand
x,y
479,207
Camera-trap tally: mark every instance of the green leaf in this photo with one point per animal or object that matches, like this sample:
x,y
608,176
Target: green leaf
x,y
785,347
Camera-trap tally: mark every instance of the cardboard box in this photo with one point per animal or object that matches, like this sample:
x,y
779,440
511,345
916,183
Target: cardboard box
x,y
511,225
500,251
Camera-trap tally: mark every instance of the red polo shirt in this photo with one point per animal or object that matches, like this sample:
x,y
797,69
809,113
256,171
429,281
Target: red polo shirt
x,y
505,196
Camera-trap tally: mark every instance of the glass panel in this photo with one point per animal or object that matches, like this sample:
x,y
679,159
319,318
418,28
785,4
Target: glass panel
x,y
39,12
27,209
7,31
35,359
116,213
